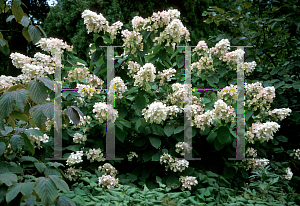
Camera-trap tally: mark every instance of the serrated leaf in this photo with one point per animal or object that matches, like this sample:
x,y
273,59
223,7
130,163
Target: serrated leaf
x,y
43,32
8,178
25,21
46,190
211,137
180,61
7,104
16,142
248,114
6,131
27,158
26,34
40,166
282,138
20,95
155,142
60,184
34,34
31,200
178,129
13,191
64,201
169,130
37,92
17,12
78,111
39,117
47,82
48,110
27,188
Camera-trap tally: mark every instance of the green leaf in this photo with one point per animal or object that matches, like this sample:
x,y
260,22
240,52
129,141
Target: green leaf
x,y
140,101
275,70
213,79
279,84
8,20
25,21
162,55
28,144
73,115
169,130
31,201
48,110
248,4
223,134
155,142
27,188
2,147
218,146
16,142
180,61
60,184
46,190
282,138
34,34
43,32
178,129
211,137
64,201
96,56
40,166
74,148
13,191
120,134
7,104
38,116
248,114
37,92
47,82
27,158
20,95
296,85
8,178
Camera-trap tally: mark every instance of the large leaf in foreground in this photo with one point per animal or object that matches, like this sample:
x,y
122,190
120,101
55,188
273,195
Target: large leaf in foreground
x,y
46,189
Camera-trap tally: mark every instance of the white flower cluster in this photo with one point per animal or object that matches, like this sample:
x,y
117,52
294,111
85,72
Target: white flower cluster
x,y
108,169
280,113
97,23
72,173
205,62
167,73
163,18
289,174
79,138
173,111
7,81
296,153
78,74
37,139
201,48
87,90
233,56
108,181
50,44
101,111
221,48
177,97
249,67
145,74
117,86
173,33
181,146
203,119
229,94
19,60
139,23
49,123
75,158
46,61
188,181
95,155
131,40
222,111
174,164
131,155
133,68
256,92
94,81
156,112
261,132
